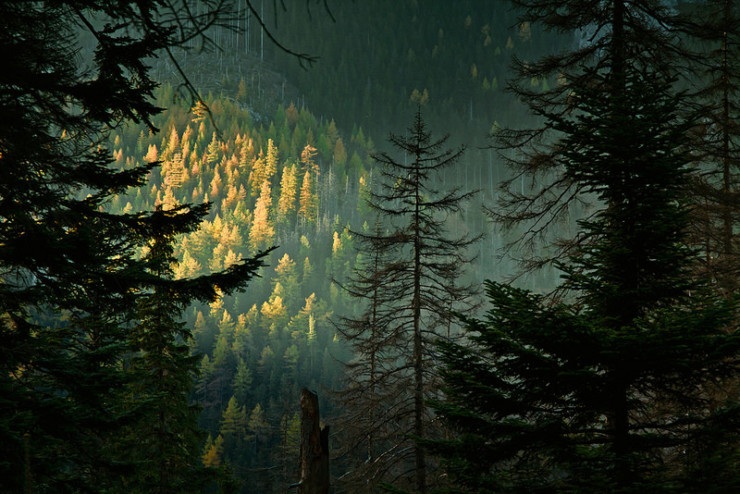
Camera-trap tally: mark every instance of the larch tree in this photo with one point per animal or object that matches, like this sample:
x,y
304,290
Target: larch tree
x,y
288,191
308,198
263,230
410,280
308,204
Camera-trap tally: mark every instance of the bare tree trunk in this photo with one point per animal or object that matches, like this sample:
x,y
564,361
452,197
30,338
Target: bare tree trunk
x,y
314,447
418,343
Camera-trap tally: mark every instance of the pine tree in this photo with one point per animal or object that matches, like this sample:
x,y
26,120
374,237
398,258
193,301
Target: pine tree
x,y
409,291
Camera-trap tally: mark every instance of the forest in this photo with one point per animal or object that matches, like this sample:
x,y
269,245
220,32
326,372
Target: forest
x,y
498,240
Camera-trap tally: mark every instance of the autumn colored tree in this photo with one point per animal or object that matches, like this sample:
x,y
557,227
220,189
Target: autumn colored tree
x,y
262,231
308,208
288,191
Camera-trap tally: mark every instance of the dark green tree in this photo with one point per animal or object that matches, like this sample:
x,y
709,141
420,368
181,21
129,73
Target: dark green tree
x,y
165,438
69,273
608,392
611,35
409,281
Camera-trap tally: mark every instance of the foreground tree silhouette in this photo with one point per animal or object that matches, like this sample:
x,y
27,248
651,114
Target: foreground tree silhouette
x,y
70,273
537,198
608,392
409,280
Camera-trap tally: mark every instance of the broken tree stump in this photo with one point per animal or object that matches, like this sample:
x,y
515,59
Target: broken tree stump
x,y
314,447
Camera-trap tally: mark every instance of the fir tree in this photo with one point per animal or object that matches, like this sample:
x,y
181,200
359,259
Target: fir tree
x,y
166,439
609,392
613,34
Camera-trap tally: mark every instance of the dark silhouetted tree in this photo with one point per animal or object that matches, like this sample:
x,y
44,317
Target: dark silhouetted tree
x,y
409,280
609,391
165,440
612,34
69,270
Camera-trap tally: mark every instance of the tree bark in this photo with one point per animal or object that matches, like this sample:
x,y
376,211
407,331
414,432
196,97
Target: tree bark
x,y
314,447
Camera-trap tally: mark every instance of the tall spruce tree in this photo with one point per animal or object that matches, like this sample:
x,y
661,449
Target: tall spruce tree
x,y
608,392
409,279
609,35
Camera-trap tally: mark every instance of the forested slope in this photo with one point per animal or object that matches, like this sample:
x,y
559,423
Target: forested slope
x,y
297,183
278,175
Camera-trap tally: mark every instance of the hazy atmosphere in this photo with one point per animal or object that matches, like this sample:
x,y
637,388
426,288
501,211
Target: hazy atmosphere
x,y
409,246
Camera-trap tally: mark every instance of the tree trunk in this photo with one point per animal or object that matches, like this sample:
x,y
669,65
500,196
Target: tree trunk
x,y
418,341
314,447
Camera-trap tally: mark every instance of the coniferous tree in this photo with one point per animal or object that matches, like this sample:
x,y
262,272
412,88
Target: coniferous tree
x,y
308,202
165,439
608,392
262,230
411,279
68,268
612,34
715,28
366,394
288,191
599,394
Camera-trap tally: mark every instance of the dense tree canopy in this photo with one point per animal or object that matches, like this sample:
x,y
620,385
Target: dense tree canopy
x,y
123,251
625,384
71,271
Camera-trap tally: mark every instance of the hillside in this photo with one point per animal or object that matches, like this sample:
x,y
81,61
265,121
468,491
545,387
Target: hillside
x,y
278,175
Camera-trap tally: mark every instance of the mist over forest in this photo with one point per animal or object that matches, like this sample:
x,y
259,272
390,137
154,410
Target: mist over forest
x,y
498,240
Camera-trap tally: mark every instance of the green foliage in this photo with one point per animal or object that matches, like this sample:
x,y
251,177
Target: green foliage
x,y
611,391
264,345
